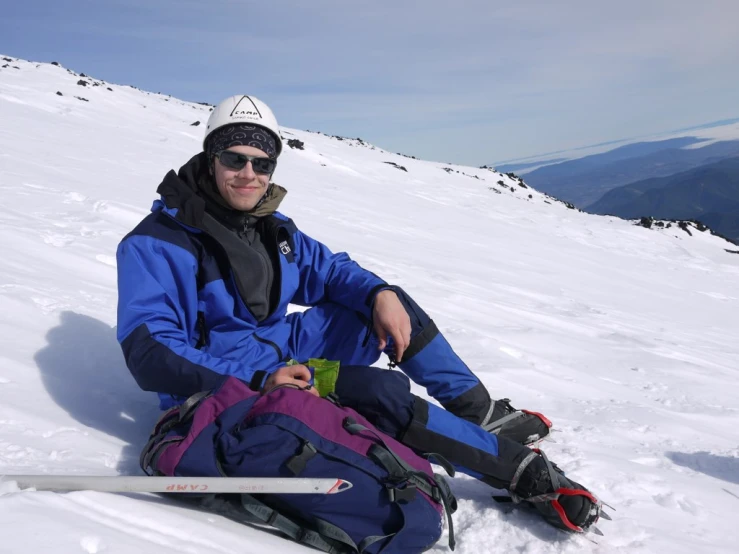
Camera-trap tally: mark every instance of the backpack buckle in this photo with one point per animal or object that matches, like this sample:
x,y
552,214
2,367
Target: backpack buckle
x,y
402,496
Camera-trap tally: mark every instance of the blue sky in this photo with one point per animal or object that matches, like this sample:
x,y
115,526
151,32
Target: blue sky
x,y
473,82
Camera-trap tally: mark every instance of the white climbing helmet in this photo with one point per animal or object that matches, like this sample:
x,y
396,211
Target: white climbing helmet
x,y
243,109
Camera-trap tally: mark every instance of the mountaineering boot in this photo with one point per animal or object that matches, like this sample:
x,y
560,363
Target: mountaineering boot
x,y
502,463
563,503
521,426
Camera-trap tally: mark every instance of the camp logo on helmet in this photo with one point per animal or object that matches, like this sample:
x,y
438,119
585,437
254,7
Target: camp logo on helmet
x,y
245,111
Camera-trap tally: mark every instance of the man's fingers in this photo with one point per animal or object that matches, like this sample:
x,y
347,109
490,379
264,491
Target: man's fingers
x,y
300,372
382,337
400,345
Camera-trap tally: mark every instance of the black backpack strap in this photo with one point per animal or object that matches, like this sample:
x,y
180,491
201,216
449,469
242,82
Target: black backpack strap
x,y
400,472
171,418
327,538
368,541
297,463
338,534
187,408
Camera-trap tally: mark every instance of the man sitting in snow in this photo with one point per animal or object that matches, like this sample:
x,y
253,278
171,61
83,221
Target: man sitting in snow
x,y
204,285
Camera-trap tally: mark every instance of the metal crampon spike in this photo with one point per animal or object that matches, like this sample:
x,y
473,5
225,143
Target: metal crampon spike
x,y
585,535
605,515
596,531
537,443
549,438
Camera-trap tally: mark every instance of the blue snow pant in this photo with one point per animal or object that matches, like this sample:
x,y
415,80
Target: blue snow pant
x,y
333,332
383,396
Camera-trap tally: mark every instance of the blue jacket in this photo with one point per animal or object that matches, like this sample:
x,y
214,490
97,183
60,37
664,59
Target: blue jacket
x,y
184,323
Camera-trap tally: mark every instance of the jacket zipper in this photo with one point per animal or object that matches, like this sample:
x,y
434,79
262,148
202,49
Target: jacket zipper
x,y
272,344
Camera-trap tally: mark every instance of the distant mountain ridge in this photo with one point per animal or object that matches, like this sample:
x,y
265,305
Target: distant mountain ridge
x,y
504,168
724,129
709,194
584,181
679,178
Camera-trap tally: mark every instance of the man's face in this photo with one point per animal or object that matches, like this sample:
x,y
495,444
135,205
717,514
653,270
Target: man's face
x,y
243,188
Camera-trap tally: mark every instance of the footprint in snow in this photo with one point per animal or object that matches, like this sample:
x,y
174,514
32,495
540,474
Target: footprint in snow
x,y
107,260
48,305
512,352
49,434
39,187
679,501
59,455
58,240
91,544
74,197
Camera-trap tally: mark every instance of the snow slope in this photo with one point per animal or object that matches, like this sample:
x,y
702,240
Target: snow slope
x,y
625,337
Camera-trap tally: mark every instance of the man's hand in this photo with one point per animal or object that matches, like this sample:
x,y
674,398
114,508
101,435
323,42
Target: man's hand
x,y
297,375
392,320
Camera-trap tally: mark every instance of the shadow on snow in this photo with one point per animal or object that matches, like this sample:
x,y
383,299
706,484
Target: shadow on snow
x,y
83,370
720,467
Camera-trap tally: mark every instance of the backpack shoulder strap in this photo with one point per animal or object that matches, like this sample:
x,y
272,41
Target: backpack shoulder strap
x,y
171,418
327,537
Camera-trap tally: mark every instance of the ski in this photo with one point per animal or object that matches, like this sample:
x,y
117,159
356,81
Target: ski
x,y
194,485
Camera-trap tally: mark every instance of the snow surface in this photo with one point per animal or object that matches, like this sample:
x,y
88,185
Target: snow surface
x,y
625,337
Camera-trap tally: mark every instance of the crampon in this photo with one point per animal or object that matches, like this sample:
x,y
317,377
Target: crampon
x,y
521,426
563,503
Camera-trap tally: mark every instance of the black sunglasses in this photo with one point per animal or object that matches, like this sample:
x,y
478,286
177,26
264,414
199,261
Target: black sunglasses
x,y
234,160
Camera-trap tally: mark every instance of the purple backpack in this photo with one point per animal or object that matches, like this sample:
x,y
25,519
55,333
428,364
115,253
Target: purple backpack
x,y
396,503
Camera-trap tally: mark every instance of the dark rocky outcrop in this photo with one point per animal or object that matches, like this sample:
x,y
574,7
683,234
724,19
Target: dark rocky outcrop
x,y
397,166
